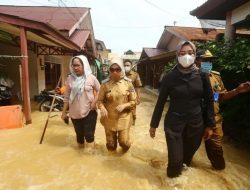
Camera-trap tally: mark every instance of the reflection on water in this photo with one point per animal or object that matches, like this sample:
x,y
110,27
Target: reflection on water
x,y
59,164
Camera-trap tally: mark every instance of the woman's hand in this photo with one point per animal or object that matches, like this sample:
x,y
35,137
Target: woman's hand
x,y
152,132
208,133
104,112
243,87
121,107
64,115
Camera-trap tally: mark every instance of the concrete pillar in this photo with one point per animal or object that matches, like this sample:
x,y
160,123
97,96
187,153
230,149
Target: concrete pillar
x,y
230,29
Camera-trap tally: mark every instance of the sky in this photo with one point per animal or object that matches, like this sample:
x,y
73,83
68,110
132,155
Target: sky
x,y
128,24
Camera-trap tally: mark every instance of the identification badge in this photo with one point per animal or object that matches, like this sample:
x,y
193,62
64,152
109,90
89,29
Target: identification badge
x,y
216,96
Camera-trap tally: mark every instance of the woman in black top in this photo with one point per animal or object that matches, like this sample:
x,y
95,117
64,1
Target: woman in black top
x,y
185,120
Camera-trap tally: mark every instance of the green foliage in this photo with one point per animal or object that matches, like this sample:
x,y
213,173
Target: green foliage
x,y
233,62
169,65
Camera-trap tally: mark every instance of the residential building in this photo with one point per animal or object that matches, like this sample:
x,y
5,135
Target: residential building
x,y
37,44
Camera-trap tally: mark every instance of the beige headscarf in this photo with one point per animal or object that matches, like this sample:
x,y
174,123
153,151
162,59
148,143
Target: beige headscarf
x,y
119,62
179,67
182,43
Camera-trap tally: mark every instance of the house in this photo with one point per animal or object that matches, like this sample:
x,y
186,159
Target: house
x,y
37,44
153,60
102,51
150,65
236,14
132,56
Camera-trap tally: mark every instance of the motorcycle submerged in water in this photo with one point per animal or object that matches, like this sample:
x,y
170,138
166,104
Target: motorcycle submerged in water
x,y
45,99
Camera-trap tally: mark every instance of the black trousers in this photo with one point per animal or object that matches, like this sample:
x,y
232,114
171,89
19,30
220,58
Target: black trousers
x,y
85,127
183,136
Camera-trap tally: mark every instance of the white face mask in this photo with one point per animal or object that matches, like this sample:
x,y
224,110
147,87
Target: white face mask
x,y
186,60
127,69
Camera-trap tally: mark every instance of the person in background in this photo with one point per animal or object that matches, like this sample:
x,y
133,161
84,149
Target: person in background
x,y
116,99
184,123
136,81
81,87
204,61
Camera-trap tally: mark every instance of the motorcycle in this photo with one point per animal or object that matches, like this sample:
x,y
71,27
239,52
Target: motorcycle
x,y
5,95
45,99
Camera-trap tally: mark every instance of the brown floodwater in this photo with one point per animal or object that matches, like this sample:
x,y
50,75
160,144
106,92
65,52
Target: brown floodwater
x,y
58,164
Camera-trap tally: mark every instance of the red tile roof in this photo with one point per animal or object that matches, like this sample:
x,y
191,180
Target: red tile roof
x,y
192,33
62,18
79,37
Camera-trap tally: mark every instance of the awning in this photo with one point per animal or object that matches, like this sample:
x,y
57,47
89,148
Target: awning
x,y
157,54
36,31
216,9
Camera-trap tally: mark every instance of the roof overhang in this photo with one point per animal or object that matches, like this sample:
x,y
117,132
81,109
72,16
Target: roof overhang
x,y
79,37
164,55
36,31
168,55
216,9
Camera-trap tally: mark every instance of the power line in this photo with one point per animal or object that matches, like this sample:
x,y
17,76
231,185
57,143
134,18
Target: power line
x,y
66,7
160,8
38,3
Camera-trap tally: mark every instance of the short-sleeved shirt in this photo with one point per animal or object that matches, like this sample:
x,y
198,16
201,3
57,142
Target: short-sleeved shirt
x,y
135,78
112,94
217,86
80,108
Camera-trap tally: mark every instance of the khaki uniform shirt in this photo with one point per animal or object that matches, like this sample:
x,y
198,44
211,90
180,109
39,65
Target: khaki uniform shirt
x,y
112,94
134,76
217,86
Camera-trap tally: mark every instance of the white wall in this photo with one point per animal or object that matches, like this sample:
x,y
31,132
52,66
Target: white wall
x,y
65,67
62,60
33,74
40,73
173,43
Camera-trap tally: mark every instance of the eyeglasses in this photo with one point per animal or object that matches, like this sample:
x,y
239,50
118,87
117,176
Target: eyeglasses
x,y
115,70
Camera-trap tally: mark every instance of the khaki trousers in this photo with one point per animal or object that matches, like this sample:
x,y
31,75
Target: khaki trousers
x,y
122,137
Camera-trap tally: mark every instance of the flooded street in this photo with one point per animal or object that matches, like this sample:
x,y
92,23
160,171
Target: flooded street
x,y
59,164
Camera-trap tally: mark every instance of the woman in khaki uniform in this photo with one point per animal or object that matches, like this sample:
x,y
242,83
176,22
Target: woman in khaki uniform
x,y
116,99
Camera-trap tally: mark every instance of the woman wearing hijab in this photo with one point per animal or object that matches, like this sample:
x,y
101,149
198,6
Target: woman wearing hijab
x,y
184,122
80,96
116,99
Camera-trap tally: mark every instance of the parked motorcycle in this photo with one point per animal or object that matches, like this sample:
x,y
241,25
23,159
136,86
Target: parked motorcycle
x,y
5,95
45,99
